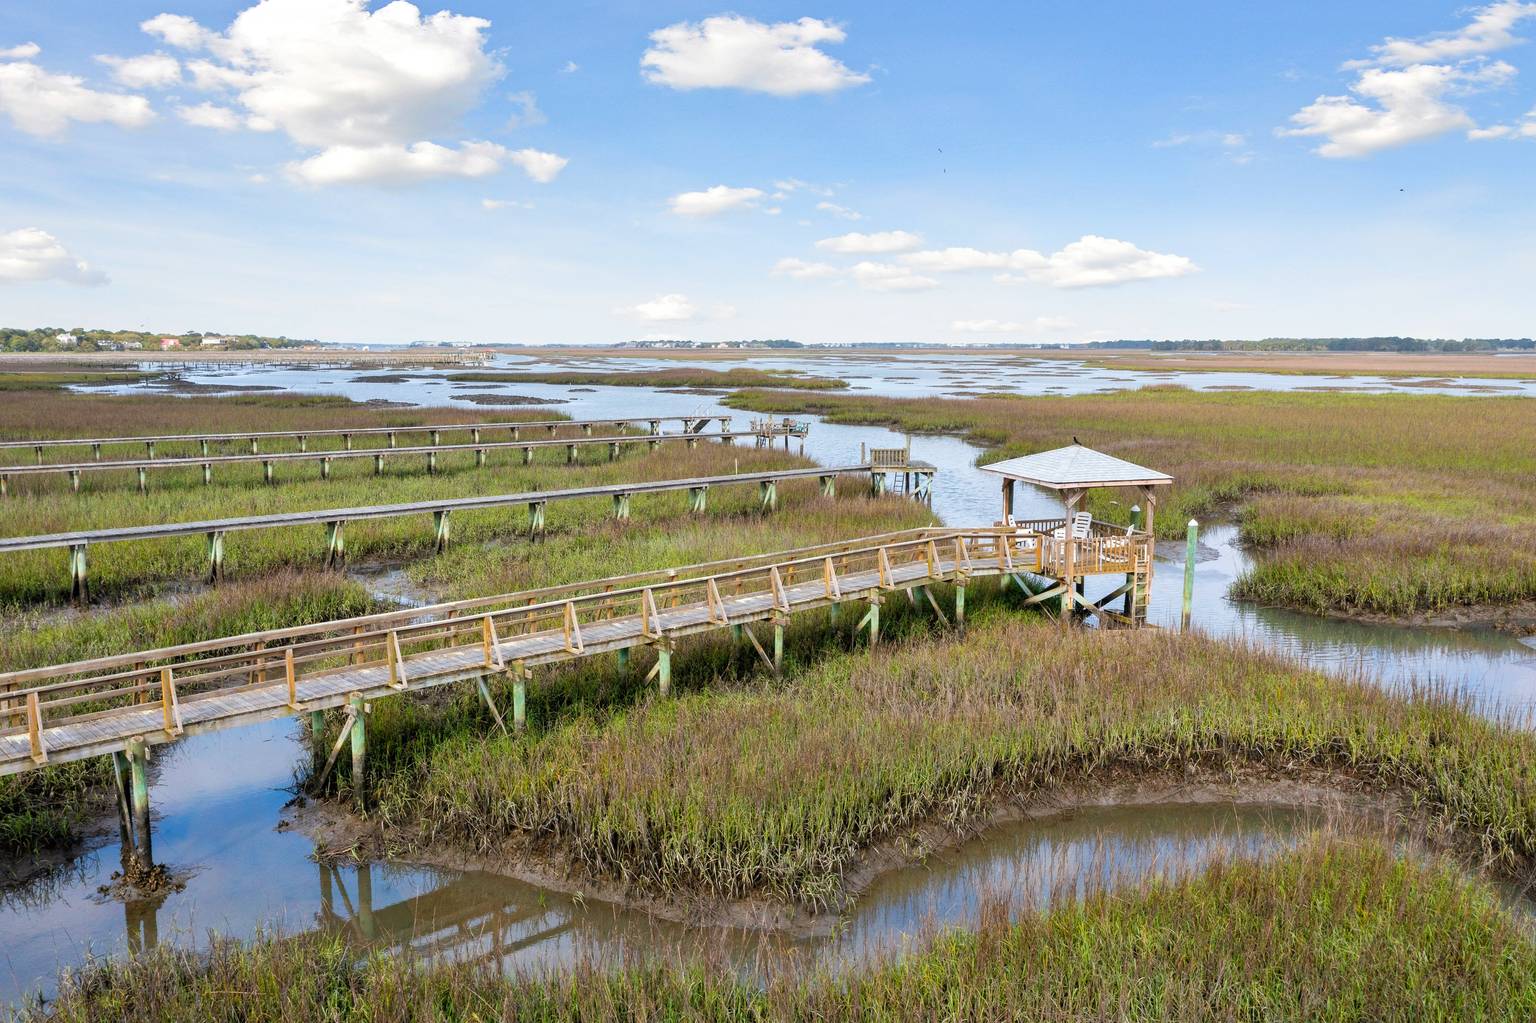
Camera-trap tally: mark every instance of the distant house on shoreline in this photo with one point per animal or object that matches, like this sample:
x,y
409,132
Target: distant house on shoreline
x,y
167,343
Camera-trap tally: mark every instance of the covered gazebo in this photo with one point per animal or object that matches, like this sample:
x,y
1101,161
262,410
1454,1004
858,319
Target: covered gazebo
x,y
1069,549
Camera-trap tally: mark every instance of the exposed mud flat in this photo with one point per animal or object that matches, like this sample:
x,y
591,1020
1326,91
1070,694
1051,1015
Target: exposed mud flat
x,y
509,399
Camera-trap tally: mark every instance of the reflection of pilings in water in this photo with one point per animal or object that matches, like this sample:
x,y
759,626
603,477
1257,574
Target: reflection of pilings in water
x,y
452,918
141,920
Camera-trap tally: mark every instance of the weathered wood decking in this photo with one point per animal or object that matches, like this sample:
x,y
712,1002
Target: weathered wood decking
x,y
85,709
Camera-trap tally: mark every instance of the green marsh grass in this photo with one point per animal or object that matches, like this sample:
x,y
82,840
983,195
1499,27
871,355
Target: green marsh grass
x,y
1390,504
1337,931
733,788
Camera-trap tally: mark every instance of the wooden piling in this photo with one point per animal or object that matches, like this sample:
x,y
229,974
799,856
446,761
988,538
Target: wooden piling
x,y
138,762
1192,545
359,748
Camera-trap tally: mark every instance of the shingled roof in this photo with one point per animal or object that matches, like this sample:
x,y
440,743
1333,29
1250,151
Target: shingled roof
x,y
1076,467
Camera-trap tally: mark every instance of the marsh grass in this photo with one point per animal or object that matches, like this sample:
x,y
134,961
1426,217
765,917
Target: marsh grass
x,y
732,789
677,377
1337,930
1379,504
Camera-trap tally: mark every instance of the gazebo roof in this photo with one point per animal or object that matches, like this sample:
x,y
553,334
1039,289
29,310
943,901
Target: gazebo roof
x,y
1076,467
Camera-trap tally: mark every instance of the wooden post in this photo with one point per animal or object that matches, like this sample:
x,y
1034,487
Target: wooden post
x,y
79,590
664,668
621,506
828,486
570,454
527,456
359,748
207,474
519,697
1191,549
325,468
74,479
440,530
1007,501
536,518
266,471
378,465
778,645
335,543
1069,560
623,653
215,556
138,759
697,499
431,463
143,480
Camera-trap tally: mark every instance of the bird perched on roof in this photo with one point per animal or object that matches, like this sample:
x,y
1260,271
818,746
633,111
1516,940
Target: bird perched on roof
x,y
1077,442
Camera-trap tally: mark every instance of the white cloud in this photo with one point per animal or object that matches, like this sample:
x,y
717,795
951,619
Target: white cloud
x,y
501,204
540,166
24,51
420,161
672,308
180,31
570,68
1037,325
210,115
1406,90
877,242
1491,29
839,211
789,266
713,200
365,89
149,71
526,113
890,277
1090,261
32,254
44,104
732,52
960,257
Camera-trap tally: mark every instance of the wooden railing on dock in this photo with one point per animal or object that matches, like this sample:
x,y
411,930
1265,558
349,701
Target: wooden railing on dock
x,y
72,711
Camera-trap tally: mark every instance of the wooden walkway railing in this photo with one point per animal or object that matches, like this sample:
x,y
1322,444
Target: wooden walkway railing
x,y
75,470
335,519
346,435
88,708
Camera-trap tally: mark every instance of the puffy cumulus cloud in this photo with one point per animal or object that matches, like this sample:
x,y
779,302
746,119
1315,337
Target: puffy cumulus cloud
x,y
22,51
421,161
42,103
1409,90
32,254
800,269
673,308
149,71
1525,129
877,242
1093,261
209,115
1088,262
1394,107
365,88
890,277
713,200
732,52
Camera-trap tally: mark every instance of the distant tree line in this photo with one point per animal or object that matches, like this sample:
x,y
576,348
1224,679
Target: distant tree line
x,y
81,339
1331,344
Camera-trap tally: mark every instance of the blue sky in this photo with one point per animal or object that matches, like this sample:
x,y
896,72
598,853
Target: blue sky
x,y
835,171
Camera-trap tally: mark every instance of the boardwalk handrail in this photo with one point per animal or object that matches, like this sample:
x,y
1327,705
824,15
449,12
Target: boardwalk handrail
x,y
539,627
117,534
363,431
73,469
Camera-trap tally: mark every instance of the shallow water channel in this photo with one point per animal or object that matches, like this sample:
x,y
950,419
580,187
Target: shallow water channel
x,y
245,873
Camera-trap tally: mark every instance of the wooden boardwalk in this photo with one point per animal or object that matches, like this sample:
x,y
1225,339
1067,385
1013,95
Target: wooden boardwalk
x,y
346,435
269,460
73,711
